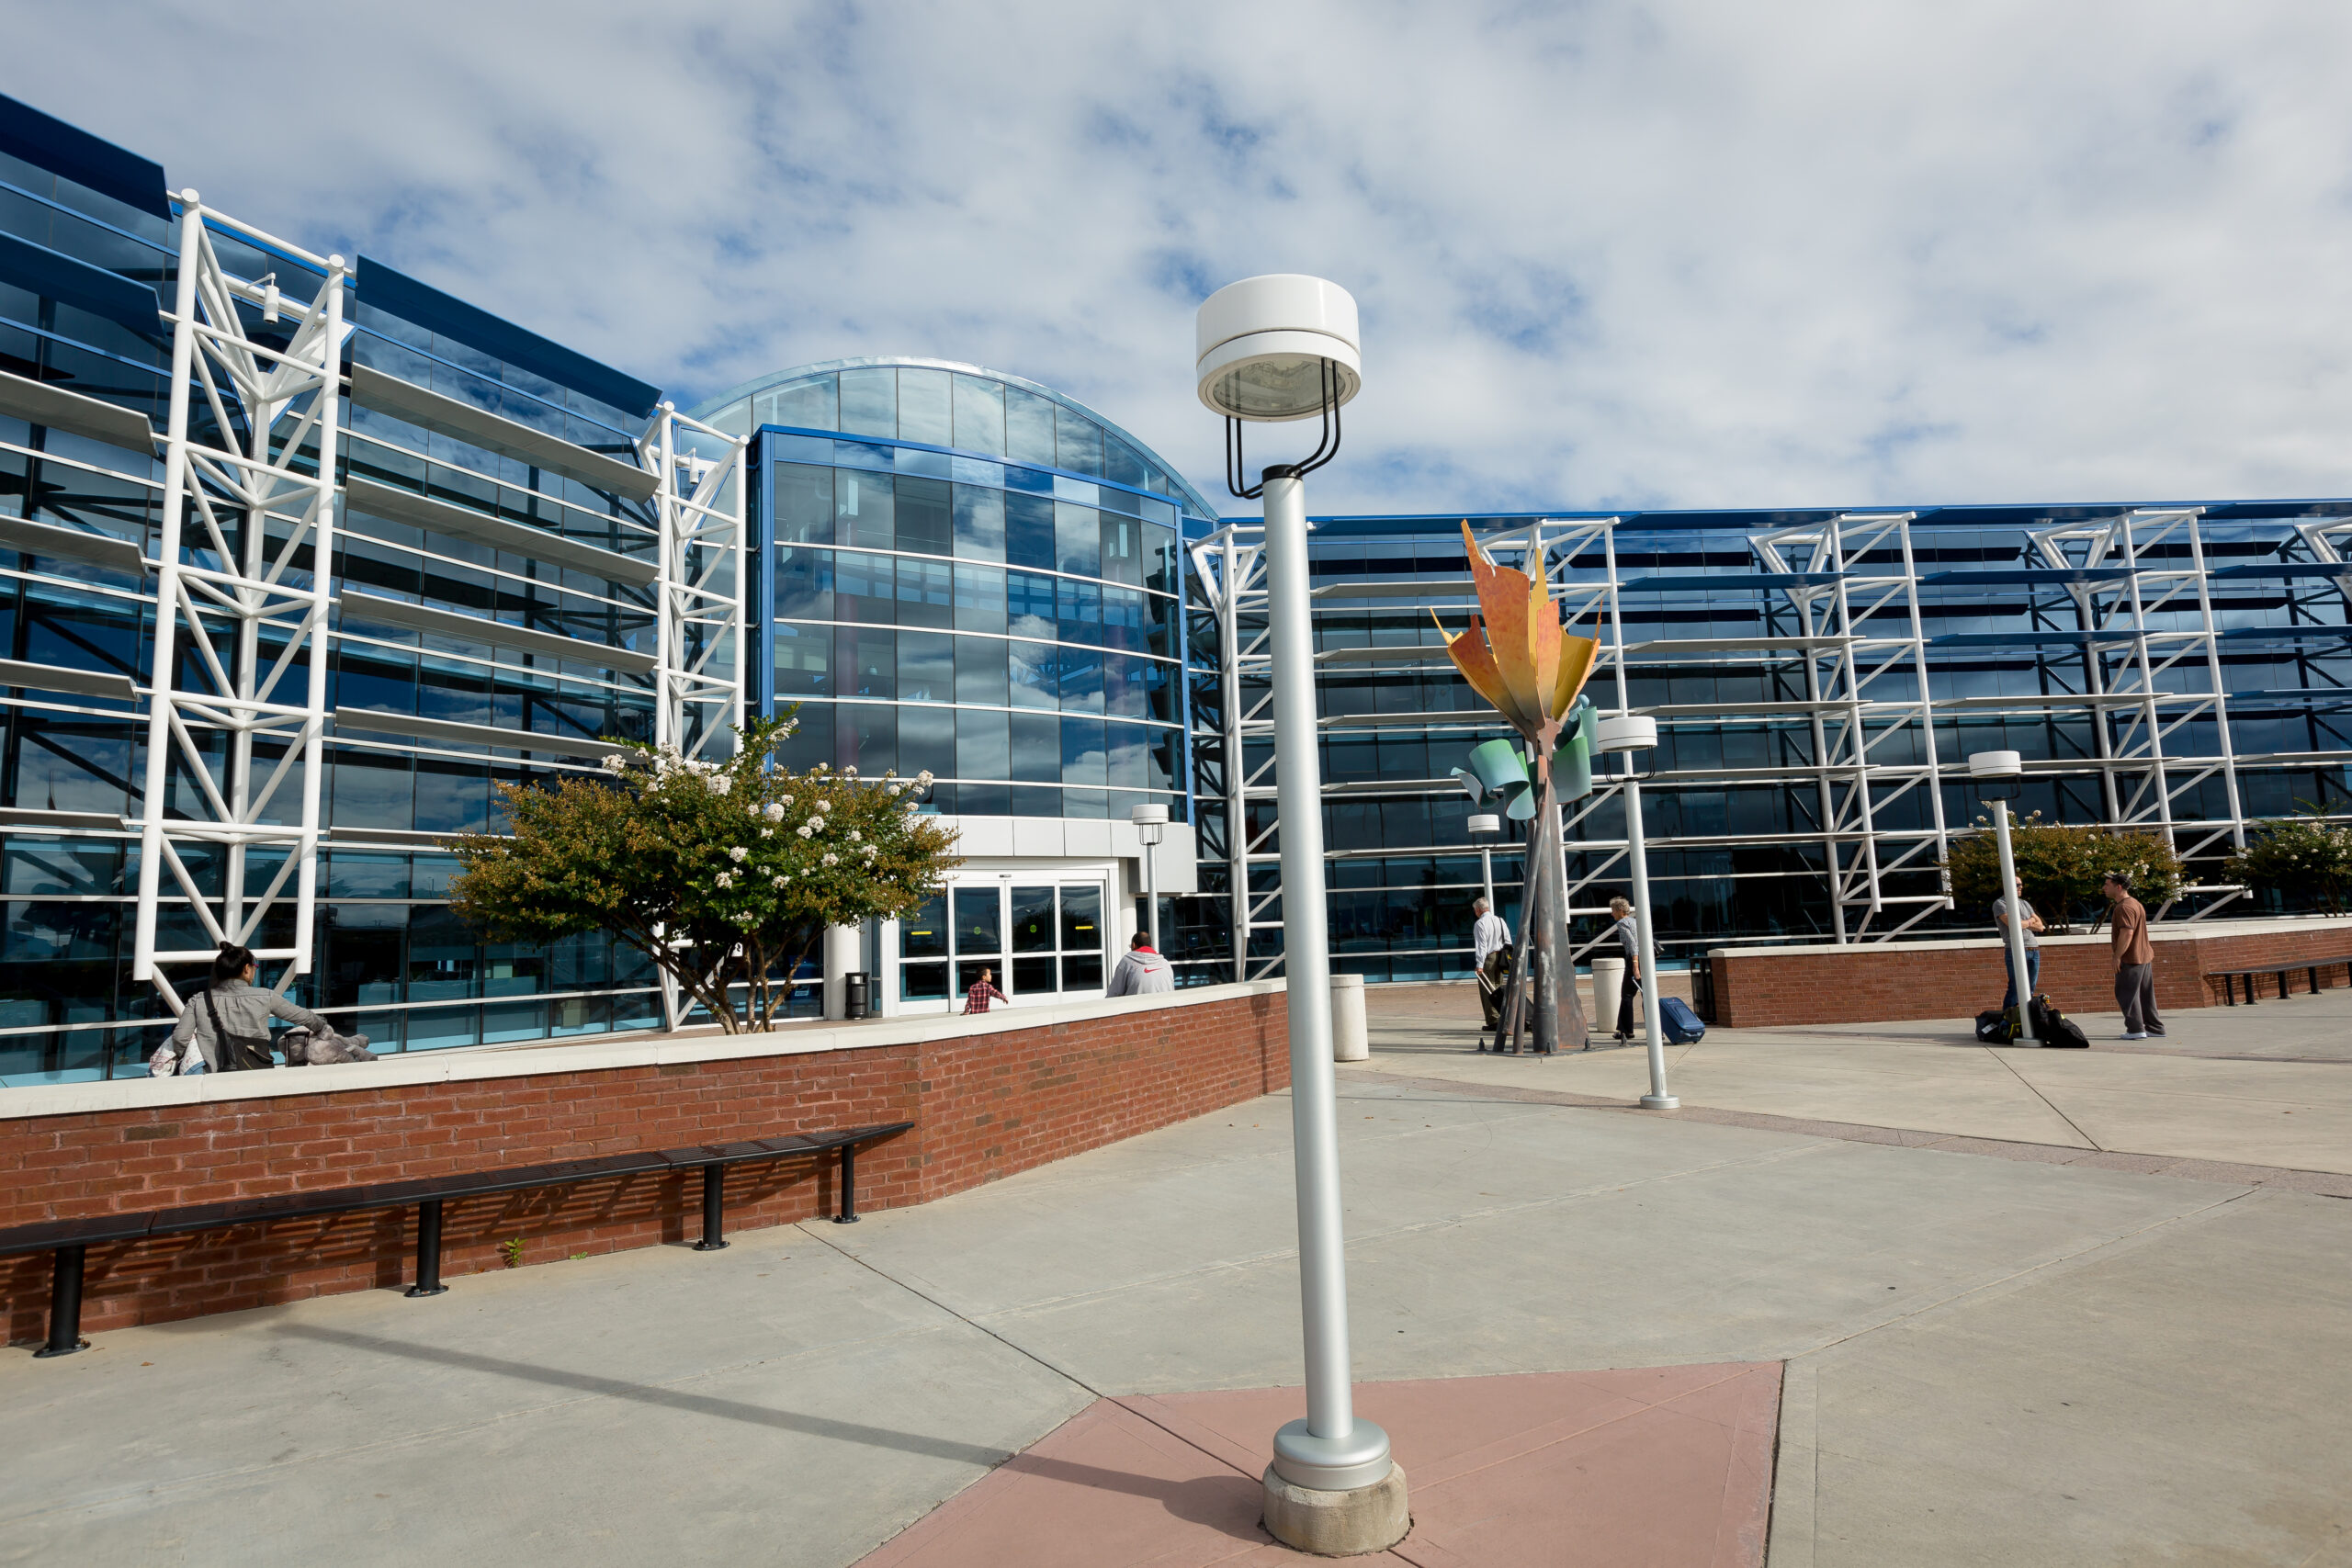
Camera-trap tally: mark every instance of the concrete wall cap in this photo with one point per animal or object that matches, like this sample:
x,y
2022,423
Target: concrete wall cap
x,y
2182,930
472,1063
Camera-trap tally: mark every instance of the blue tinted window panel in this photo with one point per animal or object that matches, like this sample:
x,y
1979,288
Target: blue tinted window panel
x,y
1029,532
1078,539
1036,746
1079,610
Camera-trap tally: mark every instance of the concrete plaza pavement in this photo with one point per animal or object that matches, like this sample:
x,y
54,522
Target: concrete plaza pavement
x,y
1988,1361
2263,1086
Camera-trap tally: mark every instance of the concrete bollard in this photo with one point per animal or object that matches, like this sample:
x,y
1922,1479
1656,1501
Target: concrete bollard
x,y
1351,1034
1607,981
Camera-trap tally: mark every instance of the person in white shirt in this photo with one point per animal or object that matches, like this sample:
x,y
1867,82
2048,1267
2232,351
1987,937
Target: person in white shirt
x,y
1488,936
1628,932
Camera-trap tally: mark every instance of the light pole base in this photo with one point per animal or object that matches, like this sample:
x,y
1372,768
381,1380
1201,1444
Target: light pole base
x,y
1660,1102
1339,1524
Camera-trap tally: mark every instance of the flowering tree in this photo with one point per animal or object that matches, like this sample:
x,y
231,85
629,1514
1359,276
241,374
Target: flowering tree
x,y
2061,867
2305,857
724,874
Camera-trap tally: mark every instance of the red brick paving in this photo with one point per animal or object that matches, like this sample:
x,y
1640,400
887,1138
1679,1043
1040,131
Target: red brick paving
x,y
1669,1467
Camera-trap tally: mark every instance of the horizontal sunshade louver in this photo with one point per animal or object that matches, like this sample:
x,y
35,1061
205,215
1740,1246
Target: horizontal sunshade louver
x,y
373,388
515,539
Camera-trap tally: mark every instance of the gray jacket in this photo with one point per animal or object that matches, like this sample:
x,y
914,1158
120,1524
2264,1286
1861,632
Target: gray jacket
x,y
1141,973
244,1009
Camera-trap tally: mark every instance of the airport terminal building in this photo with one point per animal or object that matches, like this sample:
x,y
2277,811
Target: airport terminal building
x,y
302,552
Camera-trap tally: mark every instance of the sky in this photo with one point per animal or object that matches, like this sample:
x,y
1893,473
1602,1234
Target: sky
x,y
1608,255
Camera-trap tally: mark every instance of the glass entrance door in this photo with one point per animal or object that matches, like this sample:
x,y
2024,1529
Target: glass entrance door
x,y
1037,940
1056,938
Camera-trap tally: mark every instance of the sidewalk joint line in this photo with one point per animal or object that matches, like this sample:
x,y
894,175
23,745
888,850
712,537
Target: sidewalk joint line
x,y
2011,1069
925,1296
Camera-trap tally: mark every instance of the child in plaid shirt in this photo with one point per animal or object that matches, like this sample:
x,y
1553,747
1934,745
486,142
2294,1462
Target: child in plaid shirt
x,y
976,998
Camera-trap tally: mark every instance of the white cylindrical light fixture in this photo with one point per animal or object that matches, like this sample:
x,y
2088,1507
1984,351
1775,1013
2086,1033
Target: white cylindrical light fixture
x,y
1262,343
1486,822
1627,732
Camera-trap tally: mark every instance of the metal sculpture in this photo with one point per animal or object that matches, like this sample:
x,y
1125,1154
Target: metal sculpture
x,y
1516,654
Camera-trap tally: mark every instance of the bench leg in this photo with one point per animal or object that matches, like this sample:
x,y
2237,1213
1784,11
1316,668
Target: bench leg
x,y
65,1306
2311,977
848,1217
2249,990
714,1210
428,1251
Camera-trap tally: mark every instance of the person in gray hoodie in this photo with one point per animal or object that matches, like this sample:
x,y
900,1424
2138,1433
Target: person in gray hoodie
x,y
1142,971
238,1008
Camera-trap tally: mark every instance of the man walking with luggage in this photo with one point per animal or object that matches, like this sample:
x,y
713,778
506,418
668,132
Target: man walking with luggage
x,y
1628,932
2135,960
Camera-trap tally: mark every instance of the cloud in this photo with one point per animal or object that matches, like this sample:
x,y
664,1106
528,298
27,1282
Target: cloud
x,y
1707,255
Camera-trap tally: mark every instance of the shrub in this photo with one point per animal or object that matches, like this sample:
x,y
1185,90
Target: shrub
x,y
2301,857
2061,867
723,875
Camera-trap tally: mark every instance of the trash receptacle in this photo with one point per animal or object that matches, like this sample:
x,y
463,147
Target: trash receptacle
x,y
1608,985
857,994
1350,1039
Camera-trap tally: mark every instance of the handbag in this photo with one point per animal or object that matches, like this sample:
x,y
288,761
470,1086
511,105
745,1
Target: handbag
x,y
239,1052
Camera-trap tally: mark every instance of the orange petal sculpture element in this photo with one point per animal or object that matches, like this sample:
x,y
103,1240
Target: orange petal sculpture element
x,y
1516,654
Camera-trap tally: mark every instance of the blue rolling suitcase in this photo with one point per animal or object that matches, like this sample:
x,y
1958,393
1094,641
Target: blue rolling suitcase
x,y
1681,1025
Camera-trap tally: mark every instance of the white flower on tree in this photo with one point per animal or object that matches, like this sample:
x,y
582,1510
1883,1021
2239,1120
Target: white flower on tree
x,y
849,773
615,764
726,879
804,830
833,860
817,822
922,779
718,783
854,835
774,811
739,854
778,880
767,832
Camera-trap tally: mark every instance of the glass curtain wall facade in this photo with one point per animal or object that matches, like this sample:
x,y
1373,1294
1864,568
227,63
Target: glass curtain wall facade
x,y
493,584
967,573
1820,679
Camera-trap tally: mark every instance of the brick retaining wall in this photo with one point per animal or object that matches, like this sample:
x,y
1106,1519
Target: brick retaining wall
x,y
1881,982
988,1097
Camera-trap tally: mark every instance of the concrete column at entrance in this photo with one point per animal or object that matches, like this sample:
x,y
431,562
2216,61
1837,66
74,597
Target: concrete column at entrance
x,y
843,950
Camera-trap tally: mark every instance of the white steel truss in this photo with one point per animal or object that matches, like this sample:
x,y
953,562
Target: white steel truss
x,y
1229,568
247,549
700,641
1853,592
2141,592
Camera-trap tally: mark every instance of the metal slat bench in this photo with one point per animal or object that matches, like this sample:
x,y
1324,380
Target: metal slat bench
x,y
2312,967
71,1240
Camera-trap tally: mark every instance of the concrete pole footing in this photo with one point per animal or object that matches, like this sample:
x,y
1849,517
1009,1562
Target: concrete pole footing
x,y
1339,1524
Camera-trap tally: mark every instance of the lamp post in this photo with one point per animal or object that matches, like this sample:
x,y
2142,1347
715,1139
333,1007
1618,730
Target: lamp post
x,y
1997,775
1484,827
1151,822
1273,349
1629,733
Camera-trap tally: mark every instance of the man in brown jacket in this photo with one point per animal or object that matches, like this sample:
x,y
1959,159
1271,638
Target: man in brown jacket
x,y
2135,960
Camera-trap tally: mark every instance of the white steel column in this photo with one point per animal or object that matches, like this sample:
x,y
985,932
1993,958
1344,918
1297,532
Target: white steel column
x,y
217,603
701,643
1336,1451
